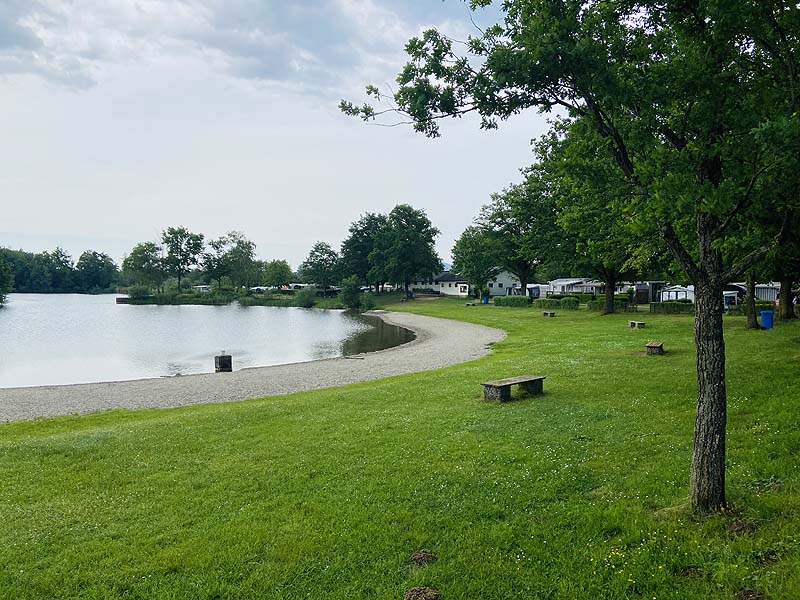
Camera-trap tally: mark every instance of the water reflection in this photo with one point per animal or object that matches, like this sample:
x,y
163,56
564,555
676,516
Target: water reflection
x,y
57,339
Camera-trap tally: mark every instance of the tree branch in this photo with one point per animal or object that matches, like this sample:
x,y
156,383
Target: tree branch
x,y
679,251
739,268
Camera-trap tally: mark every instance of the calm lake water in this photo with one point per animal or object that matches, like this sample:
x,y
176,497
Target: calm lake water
x,y
72,338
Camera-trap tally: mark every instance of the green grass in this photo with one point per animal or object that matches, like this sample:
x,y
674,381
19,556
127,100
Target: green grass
x,y
579,493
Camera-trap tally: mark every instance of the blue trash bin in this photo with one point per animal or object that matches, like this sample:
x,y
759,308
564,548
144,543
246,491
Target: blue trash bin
x,y
486,299
766,319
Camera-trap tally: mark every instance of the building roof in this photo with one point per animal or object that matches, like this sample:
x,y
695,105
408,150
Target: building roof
x,y
570,281
449,276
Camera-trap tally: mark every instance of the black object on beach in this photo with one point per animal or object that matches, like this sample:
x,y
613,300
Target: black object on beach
x,y
223,363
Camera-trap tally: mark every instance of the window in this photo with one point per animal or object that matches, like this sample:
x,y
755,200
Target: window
x,y
491,285
449,285
500,284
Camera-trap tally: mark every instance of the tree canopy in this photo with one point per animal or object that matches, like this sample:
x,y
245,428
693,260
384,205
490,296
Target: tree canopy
x,y
694,102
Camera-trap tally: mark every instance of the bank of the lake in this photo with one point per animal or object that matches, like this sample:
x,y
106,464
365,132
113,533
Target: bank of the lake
x,y
579,494
435,343
71,338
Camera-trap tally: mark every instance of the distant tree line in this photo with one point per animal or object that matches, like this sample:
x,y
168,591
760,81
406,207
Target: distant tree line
x,y
397,248
56,272
227,261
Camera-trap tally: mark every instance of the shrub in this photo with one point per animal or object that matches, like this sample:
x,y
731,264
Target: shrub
x,y
683,301
138,292
512,301
367,302
547,303
584,298
351,293
672,307
599,305
305,297
569,303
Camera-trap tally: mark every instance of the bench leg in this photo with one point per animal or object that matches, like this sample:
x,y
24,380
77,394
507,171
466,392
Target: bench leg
x,y
503,394
533,387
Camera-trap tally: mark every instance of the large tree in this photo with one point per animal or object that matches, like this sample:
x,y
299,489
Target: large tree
x,y
676,89
277,273
359,244
522,224
475,257
321,266
591,195
95,272
145,265
241,260
183,250
404,248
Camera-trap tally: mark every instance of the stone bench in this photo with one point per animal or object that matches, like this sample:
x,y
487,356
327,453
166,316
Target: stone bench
x,y
501,389
636,324
655,348
548,313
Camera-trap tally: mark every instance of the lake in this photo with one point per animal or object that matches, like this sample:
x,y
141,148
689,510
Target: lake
x,y
48,339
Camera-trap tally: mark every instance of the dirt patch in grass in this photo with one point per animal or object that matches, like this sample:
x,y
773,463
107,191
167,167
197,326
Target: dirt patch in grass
x,y
741,527
423,557
690,571
750,595
422,593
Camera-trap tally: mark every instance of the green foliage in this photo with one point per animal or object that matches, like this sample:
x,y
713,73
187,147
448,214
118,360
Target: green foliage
x,y
54,272
671,308
183,249
145,266
96,272
619,305
138,292
359,245
475,256
306,297
404,248
321,267
512,301
277,273
547,303
570,303
521,225
350,294
6,280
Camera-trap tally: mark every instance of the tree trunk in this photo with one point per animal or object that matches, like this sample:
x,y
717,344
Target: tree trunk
x,y
611,285
785,305
179,282
750,302
708,460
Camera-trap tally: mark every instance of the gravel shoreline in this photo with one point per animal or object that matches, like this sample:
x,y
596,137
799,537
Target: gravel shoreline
x,y
439,343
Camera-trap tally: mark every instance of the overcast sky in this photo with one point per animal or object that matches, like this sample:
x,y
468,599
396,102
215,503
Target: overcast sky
x,y
120,118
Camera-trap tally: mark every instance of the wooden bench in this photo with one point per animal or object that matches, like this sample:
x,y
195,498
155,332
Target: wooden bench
x,y
501,389
655,348
548,313
636,324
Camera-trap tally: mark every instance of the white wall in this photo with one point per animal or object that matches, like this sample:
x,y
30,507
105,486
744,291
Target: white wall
x,y
500,285
453,288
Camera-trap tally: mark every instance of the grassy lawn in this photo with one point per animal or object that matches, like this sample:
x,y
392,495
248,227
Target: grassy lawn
x,y
579,493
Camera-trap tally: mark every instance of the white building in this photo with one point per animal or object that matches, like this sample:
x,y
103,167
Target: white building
x,y
450,284
503,284
677,292
574,285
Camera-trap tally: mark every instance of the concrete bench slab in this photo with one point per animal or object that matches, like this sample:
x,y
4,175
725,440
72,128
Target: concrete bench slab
x,y
501,389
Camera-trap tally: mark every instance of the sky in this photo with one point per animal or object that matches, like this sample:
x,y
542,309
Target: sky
x,y
119,118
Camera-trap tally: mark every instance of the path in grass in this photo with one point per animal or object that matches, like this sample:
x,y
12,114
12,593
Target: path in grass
x,y
439,343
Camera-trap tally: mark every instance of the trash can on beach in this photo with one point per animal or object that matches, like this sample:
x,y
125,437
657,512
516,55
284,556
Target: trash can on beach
x,y
766,319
